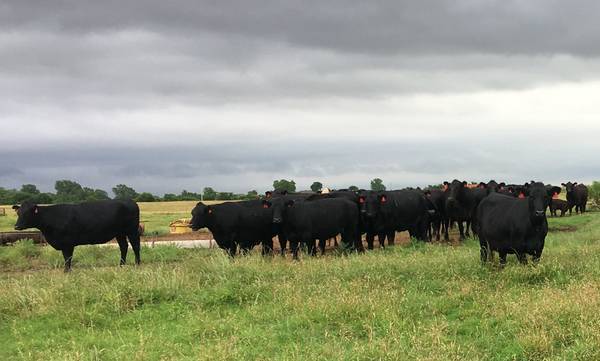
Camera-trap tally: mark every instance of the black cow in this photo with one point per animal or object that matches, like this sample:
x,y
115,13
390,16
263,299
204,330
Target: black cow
x,y
577,196
558,204
68,225
305,221
387,212
513,225
244,224
436,199
281,237
461,205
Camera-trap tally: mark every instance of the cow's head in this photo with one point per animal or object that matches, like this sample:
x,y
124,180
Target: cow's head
x,y
279,207
492,186
569,186
456,190
371,203
28,215
539,198
201,216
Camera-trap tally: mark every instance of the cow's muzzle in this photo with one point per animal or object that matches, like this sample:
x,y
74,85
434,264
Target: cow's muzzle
x,y
539,213
277,220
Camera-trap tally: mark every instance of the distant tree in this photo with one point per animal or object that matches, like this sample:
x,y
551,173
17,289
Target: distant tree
x,y
90,194
225,196
145,197
189,196
353,188
316,186
68,191
209,194
253,194
284,185
29,188
377,185
122,191
170,197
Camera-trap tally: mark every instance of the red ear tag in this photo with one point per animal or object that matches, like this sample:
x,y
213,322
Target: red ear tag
x,y
555,195
265,206
481,186
383,199
210,211
444,188
521,195
361,200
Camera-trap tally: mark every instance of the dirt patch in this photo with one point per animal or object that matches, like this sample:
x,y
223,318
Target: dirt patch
x,y
562,229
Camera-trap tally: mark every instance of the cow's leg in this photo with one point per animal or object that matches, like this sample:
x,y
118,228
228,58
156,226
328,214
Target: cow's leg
x,y
381,239
522,257
231,249
312,249
446,225
67,252
391,237
484,250
134,240
467,235
267,247
294,245
122,241
461,230
502,258
282,243
536,256
370,240
322,246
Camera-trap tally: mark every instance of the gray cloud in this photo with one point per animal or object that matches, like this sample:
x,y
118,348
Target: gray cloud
x,y
233,94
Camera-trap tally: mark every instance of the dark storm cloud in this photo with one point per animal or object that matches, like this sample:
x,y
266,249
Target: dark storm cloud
x,y
166,95
432,26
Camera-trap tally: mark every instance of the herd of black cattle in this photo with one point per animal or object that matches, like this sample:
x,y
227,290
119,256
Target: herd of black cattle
x,y
508,219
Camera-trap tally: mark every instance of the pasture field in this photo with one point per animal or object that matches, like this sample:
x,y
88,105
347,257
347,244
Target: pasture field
x,y
411,302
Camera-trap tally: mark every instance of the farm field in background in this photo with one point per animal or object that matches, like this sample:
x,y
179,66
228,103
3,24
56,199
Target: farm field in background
x,y
410,302
156,216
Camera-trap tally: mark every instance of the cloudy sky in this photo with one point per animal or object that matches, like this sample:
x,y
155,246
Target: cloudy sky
x,y
167,95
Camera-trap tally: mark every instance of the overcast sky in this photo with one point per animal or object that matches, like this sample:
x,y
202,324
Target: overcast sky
x,y
172,95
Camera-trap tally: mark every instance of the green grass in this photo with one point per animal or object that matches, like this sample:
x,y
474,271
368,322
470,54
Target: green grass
x,y
417,302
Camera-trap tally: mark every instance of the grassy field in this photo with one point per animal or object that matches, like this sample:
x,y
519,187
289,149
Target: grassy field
x,y
415,302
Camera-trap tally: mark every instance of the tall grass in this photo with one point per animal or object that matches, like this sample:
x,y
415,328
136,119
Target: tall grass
x,y
416,302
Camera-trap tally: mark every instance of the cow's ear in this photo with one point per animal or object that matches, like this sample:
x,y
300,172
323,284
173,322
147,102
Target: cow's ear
x,y
16,207
427,192
268,194
209,209
562,184
574,183
502,184
465,183
482,185
289,203
266,204
446,183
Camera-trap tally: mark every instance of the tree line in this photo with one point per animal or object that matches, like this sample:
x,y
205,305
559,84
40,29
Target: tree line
x,y
68,191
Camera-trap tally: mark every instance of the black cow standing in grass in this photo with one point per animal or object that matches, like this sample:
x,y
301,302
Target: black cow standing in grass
x,y
577,196
558,204
303,222
461,206
511,225
388,212
438,220
68,225
232,224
